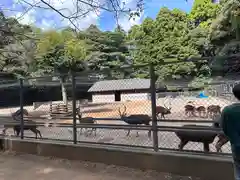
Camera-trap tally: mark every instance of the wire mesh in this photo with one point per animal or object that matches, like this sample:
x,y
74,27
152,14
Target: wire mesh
x,y
170,141
116,98
136,137
194,109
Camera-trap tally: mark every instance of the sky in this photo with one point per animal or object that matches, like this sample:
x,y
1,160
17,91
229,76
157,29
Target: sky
x,y
41,16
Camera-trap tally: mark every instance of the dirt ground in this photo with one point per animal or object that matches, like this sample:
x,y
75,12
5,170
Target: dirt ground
x,y
28,167
110,110
144,107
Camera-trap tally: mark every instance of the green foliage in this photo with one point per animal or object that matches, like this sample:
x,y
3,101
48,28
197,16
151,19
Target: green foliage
x,y
203,12
162,40
210,29
61,52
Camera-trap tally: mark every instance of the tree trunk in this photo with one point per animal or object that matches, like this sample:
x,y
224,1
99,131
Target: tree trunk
x,y
64,90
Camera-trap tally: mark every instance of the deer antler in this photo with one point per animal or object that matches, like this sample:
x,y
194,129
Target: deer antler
x,y
169,104
124,111
119,111
164,104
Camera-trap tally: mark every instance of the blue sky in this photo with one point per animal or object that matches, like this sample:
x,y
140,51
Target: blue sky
x,y
105,20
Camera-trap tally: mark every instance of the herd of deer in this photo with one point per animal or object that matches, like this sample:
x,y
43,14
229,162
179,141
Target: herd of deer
x,y
143,119
192,110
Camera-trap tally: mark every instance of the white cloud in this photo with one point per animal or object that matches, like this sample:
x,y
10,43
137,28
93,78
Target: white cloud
x,y
124,20
127,23
26,18
48,18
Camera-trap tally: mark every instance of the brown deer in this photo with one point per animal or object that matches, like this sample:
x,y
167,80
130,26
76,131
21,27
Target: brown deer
x,y
86,120
201,111
190,109
213,110
32,127
163,111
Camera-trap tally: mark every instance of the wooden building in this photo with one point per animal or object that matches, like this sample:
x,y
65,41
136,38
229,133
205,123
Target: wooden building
x,y
120,90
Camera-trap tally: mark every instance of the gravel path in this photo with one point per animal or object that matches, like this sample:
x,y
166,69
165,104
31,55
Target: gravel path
x,y
28,167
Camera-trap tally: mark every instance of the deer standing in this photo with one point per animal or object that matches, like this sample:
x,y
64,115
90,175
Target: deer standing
x,y
86,120
190,109
213,110
135,119
163,110
201,111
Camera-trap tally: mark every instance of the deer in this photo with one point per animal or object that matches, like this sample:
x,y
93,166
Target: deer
x,y
201,111
86,120
15,116
190,109
206,138
213,110
32,127
163,110
17,128
135,119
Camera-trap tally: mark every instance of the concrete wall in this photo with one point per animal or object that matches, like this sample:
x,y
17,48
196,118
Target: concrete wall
x,y
102,98
206,167
134,96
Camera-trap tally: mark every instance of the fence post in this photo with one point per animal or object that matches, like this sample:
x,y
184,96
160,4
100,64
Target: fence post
x,y
21,107
153,105
74,108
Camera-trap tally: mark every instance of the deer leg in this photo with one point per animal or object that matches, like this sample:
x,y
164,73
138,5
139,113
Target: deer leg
x,y
206,147
128,132
137,133
4,131
218,147
182,144
162,116
17,132
87,132
149,134
95,132
91,131
34,131
39,133
220,143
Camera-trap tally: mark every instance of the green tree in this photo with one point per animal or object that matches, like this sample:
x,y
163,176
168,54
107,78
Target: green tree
x,y
108,49
225,35
163,40
60,52
17,46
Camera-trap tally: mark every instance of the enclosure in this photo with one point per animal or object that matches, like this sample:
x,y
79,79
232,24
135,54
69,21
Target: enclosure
x,y
101,121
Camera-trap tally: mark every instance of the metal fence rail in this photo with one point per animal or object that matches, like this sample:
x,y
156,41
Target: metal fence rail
x,y
112,134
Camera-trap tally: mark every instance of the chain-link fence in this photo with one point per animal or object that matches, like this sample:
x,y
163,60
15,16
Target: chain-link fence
x,y
110,107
